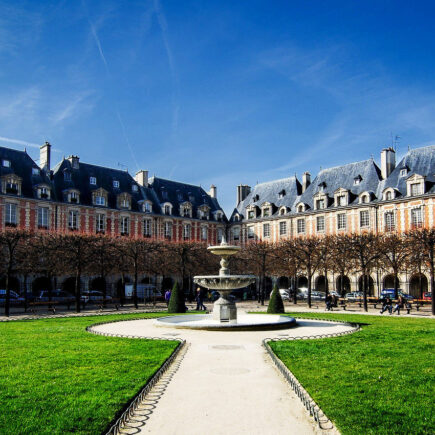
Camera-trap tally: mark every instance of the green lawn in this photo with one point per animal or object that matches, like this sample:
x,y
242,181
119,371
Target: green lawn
x,y
379,380
56,378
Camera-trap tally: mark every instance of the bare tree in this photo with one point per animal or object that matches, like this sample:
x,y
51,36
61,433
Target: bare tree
x,y
424,241
364,251
341,260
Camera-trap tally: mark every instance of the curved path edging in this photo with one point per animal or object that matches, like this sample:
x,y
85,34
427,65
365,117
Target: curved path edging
x,y
310,405
115,426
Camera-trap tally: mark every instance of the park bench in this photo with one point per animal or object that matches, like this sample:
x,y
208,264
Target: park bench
x,y
50,304
101,304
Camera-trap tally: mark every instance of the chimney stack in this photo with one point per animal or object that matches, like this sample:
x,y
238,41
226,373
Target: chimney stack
x,y
243,191
44,156
213,191
306,181
74,161
388,162
141,178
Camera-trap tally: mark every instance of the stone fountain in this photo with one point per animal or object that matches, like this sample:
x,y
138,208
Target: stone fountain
x,y
224,315
224,309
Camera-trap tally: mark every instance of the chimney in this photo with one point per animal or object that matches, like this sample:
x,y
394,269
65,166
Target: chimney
x,y
44,156
213,191
388,162
243,191
306,181
74,161
141,178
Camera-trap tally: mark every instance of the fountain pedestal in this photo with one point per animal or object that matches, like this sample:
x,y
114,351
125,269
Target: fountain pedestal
x,y
224,310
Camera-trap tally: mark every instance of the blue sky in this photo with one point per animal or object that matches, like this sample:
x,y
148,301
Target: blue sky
x,y
222,92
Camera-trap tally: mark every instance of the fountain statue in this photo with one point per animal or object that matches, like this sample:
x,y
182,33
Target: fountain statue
x,y
224,309
224,315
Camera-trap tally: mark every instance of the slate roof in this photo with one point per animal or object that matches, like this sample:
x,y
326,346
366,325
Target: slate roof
x,y
21,165
419,161
80,180
269,192
344,177
176,193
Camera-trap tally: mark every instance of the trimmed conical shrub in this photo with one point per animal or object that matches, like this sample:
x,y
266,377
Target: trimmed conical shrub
x,y
176,302
276,305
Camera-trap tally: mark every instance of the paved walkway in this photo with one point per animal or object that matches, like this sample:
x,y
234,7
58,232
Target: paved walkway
x,y
226,383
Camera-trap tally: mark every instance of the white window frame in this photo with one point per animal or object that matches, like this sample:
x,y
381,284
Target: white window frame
x,y
320,224
236,233
125,225
187,231
341,221
168,230
251,232
283,228
43,217
300,226
100,200
116,184
10,213
204,233
93,181
266,230
100,223
364,223
6,163
417,217
389,221
147,227
73,220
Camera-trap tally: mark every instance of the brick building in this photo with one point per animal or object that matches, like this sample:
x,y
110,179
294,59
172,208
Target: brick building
x,y
353,198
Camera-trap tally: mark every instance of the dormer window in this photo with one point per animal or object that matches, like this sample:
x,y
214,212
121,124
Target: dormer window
x,y
364,199
266,212
99,197
124,201
147,207
6,163
341,200
11,184
219,216
134,188
282,211
203,212
301,208
415,189
167,209
251,214
320,204
256,198
67,176
43,192
72,196
35,171
415,185
281,194
93,181
388,196
236,218
322,186
116,184
357,180
404,172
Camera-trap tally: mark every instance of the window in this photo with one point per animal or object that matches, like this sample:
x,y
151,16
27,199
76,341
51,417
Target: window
x,y
236,233
341,200
186,231
100,223
73,220
11,215
186,212
35,171
389,221
42,217
93,181
320,223
12,187
147,228
416,189
364,199
251,214
236,218
320,204
282,211
73,197
300,208
341,221
357,181
116,184
266,212
251,233
204,233
266,230
6,163
125,225
134,188
67,176
403,172
219,216
100,200
364,219
301,226
168,230
125,203
43,193
167,209
388,196
220,234
281,194
180,196
417,217
282,228
147,207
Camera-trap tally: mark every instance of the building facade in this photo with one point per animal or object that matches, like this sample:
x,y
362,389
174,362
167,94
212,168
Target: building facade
x,y
354,198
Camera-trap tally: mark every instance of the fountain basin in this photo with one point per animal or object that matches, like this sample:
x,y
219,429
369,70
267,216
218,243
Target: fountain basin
x,y
222,282
245,322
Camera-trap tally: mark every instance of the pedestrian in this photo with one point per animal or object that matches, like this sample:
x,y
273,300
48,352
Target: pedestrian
x,y
399,305
328,302
387,305
167,296
199,300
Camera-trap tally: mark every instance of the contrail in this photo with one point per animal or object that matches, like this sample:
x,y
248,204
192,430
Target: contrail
x,y
106,65
19,142
164,31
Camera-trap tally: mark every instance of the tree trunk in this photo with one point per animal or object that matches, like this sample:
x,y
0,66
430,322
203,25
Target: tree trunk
x,y
295,290
326,282
121,291
309,286
396,283
135,286
8,294
77,291
365,281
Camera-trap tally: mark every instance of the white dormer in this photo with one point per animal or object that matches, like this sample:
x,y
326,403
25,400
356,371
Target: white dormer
x,y
43,191
147,206
320,200
203,212
266,209
389,193
341,197
364,197
301,207
415,185
167,208
186,209
237,217
218,215
251,211
282,210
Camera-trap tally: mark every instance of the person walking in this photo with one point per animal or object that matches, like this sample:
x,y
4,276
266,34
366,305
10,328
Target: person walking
x,y
167,296
328,302
199,300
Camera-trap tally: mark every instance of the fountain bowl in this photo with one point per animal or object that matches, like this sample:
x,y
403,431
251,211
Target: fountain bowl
x,y
245,322
224,282
224,250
